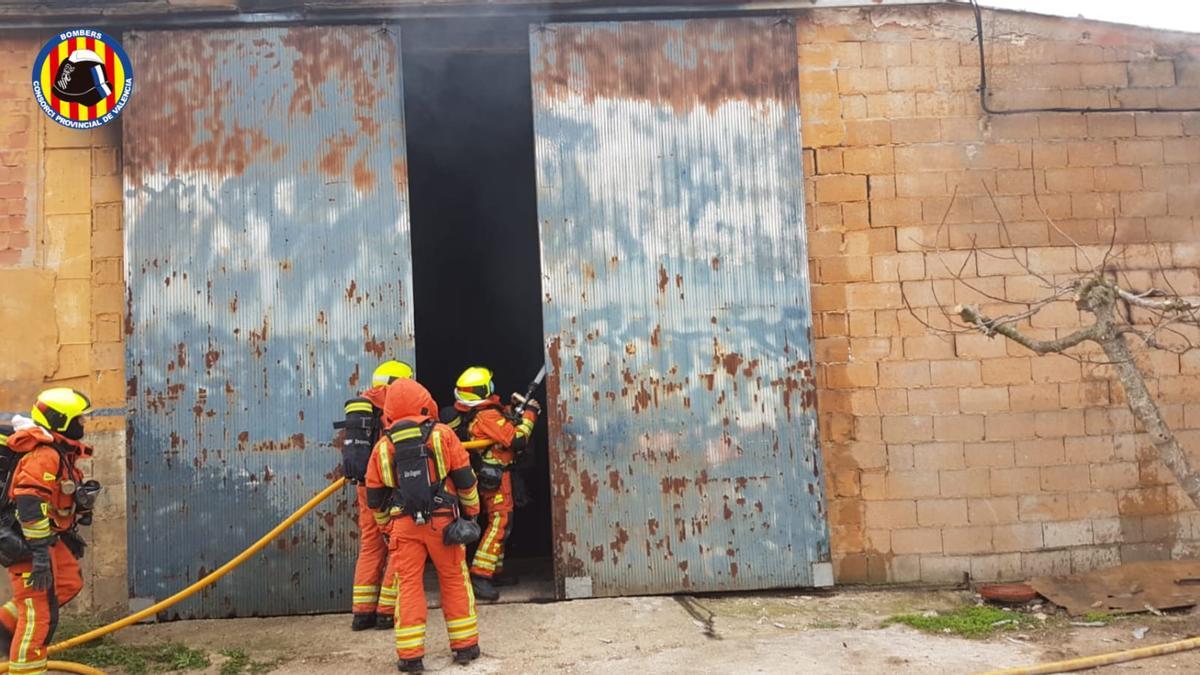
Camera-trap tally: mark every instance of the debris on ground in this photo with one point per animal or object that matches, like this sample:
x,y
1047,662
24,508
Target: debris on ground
x,y
1150,586
1010,594
1139,633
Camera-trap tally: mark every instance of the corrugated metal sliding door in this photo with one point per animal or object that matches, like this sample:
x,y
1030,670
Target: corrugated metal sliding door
x,y
676,300
268,268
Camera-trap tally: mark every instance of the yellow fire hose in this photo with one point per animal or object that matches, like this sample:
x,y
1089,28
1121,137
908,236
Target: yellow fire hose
x,y
1085,662
205,582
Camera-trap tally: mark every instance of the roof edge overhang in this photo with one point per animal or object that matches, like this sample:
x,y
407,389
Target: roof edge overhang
x,y
15,16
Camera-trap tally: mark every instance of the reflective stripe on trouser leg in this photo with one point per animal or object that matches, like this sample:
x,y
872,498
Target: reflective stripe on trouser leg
x,y
28,654
410,638
372,558
489,555
407,560
387,599
365,597
463,631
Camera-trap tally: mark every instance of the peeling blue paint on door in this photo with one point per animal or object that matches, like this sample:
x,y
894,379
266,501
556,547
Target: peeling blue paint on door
x,y
268,271
683,433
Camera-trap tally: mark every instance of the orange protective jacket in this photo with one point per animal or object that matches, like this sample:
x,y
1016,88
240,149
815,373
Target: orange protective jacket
x,y
490,423
448,462
46,460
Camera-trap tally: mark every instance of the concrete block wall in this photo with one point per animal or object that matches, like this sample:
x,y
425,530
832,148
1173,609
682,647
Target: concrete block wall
x,y
63,291
944,456
952,455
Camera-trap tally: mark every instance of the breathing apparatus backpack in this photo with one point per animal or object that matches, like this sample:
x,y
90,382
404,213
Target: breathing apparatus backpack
x,y
13,548
362,426
417,493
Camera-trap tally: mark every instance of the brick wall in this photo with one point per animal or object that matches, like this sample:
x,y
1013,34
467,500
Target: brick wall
x,y
18,152
63,290
952,455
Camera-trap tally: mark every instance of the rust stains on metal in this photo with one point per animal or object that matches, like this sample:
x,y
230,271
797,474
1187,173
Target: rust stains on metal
x,y
372,345
333,155
698,63
400,174
674,485
202,138
614,480
331,56
590,487
617,545
732,362
364,177
181,355
663,279
210,358
354,377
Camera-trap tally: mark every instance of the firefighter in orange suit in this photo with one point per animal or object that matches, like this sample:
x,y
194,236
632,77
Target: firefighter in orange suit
x,y
419,481
481,416
48,493
373,604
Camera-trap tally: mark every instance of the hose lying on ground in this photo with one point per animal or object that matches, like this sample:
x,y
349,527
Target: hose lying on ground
x,y
1085,662
199,585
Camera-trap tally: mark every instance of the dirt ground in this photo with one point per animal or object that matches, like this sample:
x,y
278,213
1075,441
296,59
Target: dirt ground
x,y
756,633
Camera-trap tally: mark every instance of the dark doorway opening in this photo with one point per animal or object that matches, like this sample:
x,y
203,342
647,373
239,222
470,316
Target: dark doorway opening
x,y
476,261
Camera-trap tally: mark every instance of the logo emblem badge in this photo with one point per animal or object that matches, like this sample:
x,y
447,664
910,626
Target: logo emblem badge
x,y
82,79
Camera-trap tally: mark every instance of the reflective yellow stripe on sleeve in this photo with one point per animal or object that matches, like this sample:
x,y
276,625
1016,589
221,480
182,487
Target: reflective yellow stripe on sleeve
x,y
385,464
36,530
359,407
437,455
469,497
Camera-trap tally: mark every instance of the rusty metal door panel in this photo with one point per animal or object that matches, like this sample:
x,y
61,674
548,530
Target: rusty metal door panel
x,y
268,270
676,300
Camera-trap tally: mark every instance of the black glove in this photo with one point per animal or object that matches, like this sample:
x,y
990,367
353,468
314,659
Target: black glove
x,y
461,531
41,575
74,543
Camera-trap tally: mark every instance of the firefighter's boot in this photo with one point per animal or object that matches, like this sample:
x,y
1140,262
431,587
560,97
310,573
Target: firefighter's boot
x,y
484,590
363,622
411,665
385,622
503,579
464,656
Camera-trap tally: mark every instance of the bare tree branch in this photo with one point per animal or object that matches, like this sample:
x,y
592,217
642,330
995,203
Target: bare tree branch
x,y
988,326
1174,304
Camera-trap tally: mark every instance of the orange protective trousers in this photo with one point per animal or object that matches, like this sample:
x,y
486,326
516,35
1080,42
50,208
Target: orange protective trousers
x,y
369,597
498,504
32,615
410,544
